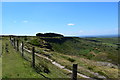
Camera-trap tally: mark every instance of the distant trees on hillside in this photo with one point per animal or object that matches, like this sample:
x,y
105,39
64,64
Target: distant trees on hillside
x,y
49,35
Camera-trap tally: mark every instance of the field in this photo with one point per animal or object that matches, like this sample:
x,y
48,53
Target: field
x,y
14,66
0,58
96,57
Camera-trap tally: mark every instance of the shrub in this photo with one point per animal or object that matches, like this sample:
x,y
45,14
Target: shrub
x,y
25,38
71,59
90,68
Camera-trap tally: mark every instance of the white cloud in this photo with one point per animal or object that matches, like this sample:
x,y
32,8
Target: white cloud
x,y
70,24
25,21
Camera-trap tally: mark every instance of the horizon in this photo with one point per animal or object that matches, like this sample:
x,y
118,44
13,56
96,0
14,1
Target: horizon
x,y
69,19
107,36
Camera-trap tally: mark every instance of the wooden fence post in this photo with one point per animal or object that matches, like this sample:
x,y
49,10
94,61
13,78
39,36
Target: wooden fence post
x,y
74,72
17,45
33,57
6,47
22,49
10,38
14,43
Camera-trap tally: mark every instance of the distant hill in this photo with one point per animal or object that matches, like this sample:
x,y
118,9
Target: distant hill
x,y
101,49
102,36
49,35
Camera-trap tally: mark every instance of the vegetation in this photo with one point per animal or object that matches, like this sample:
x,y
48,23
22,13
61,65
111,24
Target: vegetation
x,y
49,35
93,55
87,52
0,58
14,66
84,47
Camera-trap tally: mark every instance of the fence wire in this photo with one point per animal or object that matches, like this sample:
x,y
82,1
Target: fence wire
x,y
41,64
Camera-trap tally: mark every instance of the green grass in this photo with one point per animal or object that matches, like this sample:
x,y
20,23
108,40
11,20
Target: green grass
x,y
106,40
14,66
85,64
84,51
84,46
0,58
54,72
0,67
42,65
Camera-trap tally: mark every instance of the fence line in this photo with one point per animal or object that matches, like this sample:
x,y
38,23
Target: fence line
x,y
74,71
22,51
56,64
17,45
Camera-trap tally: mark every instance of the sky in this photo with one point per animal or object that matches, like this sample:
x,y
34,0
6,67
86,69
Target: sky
x,y
0,18
67,18
60,0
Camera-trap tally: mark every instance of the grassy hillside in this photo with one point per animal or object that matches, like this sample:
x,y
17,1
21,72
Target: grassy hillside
x,y
14,66
0,58
93,55
84,47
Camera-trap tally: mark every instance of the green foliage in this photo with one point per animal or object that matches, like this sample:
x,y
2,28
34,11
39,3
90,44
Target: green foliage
x,y
49,35
83,46
71,59
90,56
80,46
102,73
25,38
35,42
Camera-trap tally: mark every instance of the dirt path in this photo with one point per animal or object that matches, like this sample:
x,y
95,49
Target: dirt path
x,y
63,67
57,64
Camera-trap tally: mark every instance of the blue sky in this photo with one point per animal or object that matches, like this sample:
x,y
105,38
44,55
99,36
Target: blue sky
x,y
68,18
60,0
0,18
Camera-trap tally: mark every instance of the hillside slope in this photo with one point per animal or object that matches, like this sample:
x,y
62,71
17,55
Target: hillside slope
x,y
14,66
94,57
83,47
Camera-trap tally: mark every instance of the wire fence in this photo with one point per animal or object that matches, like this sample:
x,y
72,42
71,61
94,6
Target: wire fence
x,y
38,61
